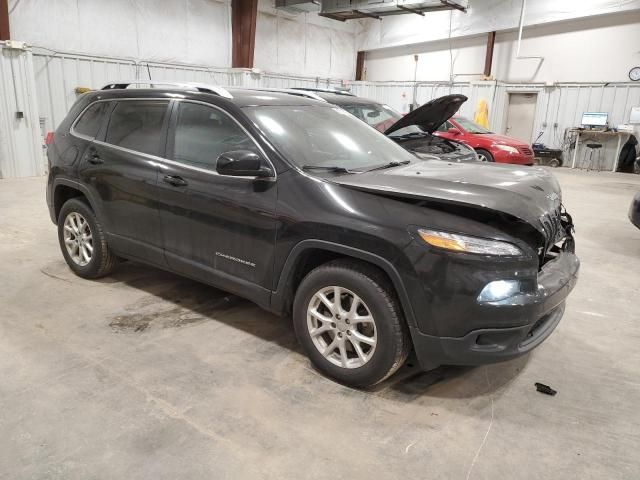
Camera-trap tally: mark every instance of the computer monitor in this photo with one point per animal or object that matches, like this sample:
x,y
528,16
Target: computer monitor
x,y
595,119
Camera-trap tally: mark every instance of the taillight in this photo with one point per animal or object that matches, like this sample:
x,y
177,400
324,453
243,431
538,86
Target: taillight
x,y
48,139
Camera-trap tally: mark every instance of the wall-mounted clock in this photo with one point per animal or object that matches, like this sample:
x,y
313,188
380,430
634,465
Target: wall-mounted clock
x,y
634,74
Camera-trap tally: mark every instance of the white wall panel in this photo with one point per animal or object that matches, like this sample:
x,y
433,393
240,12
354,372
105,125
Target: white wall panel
x,y
188,31
57,76
21,151
483,16
599,49
303,43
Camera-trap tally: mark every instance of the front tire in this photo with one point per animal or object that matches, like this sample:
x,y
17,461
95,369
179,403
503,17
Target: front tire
x,y
349,323
484,155
82,240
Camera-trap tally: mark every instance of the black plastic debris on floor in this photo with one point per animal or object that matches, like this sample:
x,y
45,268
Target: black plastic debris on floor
x,y
546,389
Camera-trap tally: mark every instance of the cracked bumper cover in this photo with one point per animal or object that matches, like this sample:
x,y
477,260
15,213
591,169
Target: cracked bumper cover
x,y
543,309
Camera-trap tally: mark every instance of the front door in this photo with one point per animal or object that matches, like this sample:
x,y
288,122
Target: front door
x,y
219,229
121,168
521,114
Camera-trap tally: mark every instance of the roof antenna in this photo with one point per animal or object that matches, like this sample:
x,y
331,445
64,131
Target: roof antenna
x,y
148,71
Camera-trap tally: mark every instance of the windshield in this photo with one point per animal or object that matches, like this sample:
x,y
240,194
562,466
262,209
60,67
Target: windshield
x,y
470,126
380,117
324,136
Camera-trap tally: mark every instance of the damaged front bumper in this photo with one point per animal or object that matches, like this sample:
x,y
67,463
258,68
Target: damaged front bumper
x,y
542,310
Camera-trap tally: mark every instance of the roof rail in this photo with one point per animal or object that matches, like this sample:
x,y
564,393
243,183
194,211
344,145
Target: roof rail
x,y
293,91
325,90
200,87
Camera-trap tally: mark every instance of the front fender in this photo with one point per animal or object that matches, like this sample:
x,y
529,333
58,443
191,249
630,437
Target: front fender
x,y
278,297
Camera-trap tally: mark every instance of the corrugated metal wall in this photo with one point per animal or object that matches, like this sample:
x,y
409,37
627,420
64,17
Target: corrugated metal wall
x,y
57,75
51,78
21,152
561,104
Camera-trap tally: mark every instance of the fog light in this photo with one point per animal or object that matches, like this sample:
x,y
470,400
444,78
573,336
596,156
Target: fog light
x,y
499,290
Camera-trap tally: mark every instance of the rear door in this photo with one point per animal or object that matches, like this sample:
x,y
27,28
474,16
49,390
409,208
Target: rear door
x,y
121,169
220,229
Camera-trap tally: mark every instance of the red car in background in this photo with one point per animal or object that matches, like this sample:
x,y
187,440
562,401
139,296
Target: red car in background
x,y
489,146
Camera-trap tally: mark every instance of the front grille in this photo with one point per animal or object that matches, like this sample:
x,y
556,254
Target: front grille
x,y
525,151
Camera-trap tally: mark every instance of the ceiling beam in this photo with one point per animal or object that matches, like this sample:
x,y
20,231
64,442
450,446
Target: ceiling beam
x,y
4,20
360,66
243,32
488,60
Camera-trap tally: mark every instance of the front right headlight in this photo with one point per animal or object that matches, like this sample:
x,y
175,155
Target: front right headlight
x,y
507,148
467,244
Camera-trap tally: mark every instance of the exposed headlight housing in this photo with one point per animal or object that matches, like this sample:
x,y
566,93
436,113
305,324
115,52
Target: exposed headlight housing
x,y
499,290
467,244
507,148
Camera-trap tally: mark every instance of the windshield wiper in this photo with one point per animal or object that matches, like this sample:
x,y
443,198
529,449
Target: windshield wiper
x,y
335,169
389,165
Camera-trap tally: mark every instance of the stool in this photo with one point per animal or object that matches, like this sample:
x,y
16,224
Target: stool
x,y
594,148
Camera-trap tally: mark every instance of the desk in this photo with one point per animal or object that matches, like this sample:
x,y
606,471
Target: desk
x,y
599,133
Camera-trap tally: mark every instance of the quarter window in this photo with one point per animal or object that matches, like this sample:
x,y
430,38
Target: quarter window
x,y
91,120
137,125
202,133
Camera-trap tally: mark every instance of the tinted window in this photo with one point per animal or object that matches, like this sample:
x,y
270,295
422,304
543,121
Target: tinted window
x,y
137,125
470,126
376,116
203,133
91,120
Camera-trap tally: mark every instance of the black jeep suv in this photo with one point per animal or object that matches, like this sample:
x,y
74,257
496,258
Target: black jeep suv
x,y
302,208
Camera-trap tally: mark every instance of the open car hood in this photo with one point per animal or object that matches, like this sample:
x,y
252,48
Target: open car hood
x,y
527,193
430,115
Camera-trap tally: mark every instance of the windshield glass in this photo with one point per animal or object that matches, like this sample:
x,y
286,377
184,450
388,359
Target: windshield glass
x,y
380,117
470,126
324,136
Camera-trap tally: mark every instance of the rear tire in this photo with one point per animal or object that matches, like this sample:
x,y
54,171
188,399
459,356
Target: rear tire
x,y
82,240
484,155
359,345
554,162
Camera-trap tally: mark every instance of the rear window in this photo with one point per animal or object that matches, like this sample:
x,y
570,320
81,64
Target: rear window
x,y
90,121
137,125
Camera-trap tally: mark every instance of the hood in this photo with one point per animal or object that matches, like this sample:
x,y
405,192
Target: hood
x,y
527,193
430,115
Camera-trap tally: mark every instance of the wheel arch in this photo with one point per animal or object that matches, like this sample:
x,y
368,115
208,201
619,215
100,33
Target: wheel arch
x,y
309,254
65,189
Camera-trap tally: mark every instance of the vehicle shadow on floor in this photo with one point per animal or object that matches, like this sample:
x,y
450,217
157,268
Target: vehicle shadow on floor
x,y
175,302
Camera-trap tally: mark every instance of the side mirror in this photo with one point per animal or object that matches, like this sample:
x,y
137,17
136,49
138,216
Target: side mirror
x,y
454,131
243,163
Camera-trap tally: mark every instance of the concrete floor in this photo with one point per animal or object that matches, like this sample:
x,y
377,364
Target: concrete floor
x,y
148,375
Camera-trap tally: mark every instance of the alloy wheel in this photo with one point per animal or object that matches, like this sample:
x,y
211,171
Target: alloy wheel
x,y
78,239
341,327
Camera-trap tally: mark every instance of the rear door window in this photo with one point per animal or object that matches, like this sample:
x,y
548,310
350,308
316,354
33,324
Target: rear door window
x,y
91,120
202,133
137,125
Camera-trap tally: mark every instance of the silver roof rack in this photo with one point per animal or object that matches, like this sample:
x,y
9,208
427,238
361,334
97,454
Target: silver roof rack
x,y
200,87
293,91
324,90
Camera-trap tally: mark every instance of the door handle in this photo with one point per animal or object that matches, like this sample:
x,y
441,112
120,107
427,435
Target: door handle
x,y
94,158
175,181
